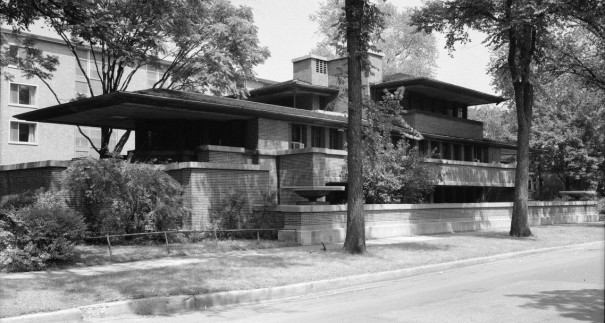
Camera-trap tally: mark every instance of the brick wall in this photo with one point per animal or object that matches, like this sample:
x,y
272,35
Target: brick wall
x,y
207,185
275,134
427,122
308,167
35,176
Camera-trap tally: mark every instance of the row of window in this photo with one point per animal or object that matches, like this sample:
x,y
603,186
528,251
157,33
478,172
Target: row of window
x,y
318,137
453,151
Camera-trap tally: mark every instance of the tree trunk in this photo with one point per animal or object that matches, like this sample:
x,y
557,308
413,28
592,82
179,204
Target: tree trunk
x,y
355,239
524,104
105,136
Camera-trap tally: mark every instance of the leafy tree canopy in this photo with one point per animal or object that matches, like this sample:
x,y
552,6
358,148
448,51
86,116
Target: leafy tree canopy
x,y
405,50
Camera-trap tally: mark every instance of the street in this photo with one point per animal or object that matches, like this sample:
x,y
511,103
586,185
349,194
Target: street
x,y
557,287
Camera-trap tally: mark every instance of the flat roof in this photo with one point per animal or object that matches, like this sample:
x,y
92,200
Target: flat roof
x,y
122,109
443,90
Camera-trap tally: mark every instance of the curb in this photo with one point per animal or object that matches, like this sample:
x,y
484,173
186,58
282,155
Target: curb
x,y
165,305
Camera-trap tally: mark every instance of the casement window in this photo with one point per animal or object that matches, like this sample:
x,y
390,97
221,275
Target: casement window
x,y
336,139
95,135
317,137
87,60
321,66
299,136
22,132
22,94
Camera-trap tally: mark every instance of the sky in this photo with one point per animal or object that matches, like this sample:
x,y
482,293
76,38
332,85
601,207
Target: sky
x,y
285,28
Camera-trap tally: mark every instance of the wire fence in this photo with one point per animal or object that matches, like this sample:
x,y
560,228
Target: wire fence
x,y
198,235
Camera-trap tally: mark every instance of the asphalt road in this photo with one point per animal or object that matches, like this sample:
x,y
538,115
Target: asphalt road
x,y
557,287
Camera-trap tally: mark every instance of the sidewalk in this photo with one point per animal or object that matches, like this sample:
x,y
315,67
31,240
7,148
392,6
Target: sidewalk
x,y
176,284
181,261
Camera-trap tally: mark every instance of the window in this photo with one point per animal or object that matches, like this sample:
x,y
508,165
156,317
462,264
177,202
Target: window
x,y
87,60
460,113
95,135
321,66
22,94
299,135
22,132
336,141
317,137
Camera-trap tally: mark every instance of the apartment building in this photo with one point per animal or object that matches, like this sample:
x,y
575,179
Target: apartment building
x,y
22,141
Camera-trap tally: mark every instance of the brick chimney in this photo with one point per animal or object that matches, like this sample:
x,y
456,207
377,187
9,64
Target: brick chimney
x,y
312,69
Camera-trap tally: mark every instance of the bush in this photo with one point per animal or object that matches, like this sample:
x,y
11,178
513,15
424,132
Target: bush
x,y
40,234
117,197
229,215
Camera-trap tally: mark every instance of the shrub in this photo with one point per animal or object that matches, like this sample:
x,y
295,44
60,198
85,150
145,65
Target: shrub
x,y
117,197
39,234
229,214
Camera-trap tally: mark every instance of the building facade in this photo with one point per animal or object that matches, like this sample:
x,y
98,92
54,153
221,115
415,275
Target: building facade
x,y
22,141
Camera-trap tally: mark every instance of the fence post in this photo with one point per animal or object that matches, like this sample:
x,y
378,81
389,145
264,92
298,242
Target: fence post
x,y
109,246
166,239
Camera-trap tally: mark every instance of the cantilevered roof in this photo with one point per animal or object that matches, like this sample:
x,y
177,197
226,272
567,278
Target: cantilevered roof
x,y
122,109
290,86
438,89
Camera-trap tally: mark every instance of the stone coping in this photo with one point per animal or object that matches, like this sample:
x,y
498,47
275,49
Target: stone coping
x,y
391,207
334,188
467,163
37,164
221,148
309,150
226,166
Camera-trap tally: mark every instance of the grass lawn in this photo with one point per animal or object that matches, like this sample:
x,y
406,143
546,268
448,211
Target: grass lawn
x,y
251,270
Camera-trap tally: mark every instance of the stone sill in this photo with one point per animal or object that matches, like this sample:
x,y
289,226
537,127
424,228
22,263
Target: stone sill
x,y
38,164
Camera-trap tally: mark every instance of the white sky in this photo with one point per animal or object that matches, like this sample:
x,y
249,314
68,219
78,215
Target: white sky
x,y
285,28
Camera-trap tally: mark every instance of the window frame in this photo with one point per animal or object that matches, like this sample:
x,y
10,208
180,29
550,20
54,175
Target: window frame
x,y
320,133
28,143
335,136
10,85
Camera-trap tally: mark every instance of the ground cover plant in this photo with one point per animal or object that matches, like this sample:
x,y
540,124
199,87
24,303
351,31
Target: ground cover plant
x,y
256,269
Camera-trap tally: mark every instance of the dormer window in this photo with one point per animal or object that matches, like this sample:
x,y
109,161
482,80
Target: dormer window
x,y
321,66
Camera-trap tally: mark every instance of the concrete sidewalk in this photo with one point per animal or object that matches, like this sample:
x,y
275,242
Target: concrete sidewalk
x,y
188,260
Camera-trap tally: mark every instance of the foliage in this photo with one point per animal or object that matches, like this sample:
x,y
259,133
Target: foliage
x,y
523,32
230,213
392,173
405,50
499,123
208,46
37,235
117,197
569,130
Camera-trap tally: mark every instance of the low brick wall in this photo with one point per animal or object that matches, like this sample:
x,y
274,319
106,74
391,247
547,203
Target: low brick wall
x,y
208,184
35,176
307,224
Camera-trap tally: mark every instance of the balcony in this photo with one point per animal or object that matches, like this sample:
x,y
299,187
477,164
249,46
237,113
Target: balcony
x,y
459,173
438,124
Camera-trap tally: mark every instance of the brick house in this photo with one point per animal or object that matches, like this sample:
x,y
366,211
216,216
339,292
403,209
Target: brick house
x,y
292,134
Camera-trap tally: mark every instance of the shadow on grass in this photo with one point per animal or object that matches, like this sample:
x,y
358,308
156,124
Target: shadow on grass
x,y
416,246
501,235
582,305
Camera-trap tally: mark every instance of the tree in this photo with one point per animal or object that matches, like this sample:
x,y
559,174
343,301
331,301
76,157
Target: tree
x,y
207,46
499,123
569,129
405,50
392,172
522,28
359,21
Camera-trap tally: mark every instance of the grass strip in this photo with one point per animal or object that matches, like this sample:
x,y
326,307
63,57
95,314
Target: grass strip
x,y
249,270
